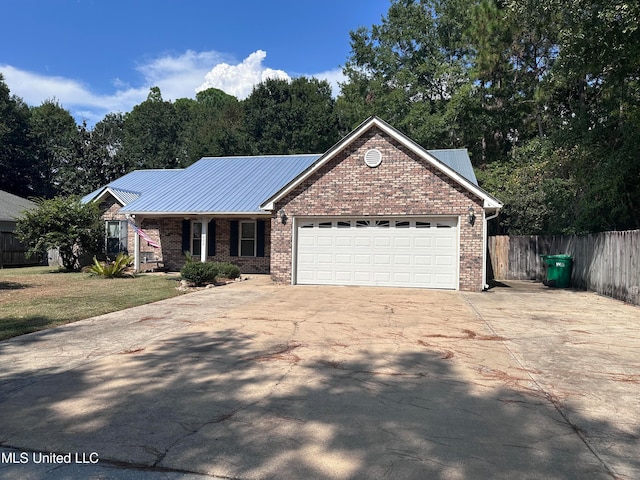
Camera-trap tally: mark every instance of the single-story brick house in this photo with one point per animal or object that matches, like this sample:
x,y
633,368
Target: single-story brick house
x,y
376,209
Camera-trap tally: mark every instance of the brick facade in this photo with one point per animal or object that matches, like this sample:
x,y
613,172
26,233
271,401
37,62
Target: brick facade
x,y
167,232
171,244
403,184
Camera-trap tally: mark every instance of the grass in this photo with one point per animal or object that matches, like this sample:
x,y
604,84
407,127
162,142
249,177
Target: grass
x,y
37,298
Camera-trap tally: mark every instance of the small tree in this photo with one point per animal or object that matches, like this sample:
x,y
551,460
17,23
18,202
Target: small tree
x,y
69,225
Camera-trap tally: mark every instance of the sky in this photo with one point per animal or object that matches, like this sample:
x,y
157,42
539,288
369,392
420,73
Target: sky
x,y
100,56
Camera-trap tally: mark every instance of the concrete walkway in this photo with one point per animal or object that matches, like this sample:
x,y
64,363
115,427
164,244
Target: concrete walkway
x,y
252,381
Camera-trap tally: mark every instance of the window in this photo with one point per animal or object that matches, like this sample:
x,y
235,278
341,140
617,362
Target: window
x,y
344,224
402,224
247,239
196,239
382,223
116,233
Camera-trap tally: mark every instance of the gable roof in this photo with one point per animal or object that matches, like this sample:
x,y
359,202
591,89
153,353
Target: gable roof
x,y
12,206
240,185
460,166
131,186
221,185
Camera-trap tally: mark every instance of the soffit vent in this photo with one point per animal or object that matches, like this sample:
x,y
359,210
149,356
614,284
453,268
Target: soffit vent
x,y
373,158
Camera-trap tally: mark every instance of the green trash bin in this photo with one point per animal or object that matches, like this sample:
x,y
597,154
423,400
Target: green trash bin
x,y
558,270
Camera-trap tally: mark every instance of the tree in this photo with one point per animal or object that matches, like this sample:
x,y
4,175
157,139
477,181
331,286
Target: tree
x,y
407,70
107,136
53,133
212,126
284,117
151,134
66,224
16,163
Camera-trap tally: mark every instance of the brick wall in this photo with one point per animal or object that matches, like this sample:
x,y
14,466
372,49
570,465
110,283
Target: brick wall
x,y
402,185
171,243
167,232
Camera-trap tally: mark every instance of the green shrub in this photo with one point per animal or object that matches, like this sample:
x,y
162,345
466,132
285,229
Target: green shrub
x,y
118,268
227,270
199,273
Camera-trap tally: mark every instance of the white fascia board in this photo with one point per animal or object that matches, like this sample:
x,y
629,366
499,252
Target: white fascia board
x,y
109,191
489,201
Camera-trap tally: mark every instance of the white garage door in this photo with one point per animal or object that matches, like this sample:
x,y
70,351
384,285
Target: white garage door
x,y
398,252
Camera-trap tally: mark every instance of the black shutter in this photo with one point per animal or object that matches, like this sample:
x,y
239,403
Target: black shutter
x,y
211,238
186,236
234,237
260,238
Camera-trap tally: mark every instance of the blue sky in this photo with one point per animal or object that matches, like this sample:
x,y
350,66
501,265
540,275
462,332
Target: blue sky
x,y
100,56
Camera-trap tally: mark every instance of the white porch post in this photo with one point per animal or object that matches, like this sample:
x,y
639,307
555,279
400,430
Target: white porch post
x,y
203,239
136,248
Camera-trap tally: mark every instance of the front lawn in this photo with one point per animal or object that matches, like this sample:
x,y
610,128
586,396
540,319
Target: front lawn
x,y
36,298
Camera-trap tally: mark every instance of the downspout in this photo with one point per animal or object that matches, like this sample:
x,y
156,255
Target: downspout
x,y
485,248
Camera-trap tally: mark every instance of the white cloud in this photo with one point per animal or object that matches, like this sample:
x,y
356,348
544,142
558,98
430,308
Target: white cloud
x,y
177,76
239,80
334,77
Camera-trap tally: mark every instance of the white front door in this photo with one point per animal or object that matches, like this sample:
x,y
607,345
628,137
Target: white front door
x,y
393,251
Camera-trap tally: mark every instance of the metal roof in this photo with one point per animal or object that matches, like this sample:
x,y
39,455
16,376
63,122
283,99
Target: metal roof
x,y
135,183
458,160
222,185
12,206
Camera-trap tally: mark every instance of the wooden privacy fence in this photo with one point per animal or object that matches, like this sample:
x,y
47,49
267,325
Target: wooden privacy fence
x,y
607,263
12,252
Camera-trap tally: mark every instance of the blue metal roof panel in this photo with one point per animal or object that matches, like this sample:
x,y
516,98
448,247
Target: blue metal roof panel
x,y
125,195
137,182
223,184
458,160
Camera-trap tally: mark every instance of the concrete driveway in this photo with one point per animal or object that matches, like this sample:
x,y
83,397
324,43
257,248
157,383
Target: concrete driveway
x,y
253,381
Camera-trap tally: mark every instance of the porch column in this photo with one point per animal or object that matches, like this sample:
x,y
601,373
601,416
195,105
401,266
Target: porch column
x,y
203,239
136,247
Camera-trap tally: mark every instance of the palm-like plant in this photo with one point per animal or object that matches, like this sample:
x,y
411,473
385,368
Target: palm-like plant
x,y
118,268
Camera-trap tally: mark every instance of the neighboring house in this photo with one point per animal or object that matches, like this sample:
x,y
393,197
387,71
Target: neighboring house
x,y
12,252
376,209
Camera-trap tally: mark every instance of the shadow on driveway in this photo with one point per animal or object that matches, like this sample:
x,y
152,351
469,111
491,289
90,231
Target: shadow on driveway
x,y
309,383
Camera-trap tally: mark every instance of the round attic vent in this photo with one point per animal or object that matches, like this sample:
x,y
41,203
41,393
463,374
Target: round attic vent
x,y
373,158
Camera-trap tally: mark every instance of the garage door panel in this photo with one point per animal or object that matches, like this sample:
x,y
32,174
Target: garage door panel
x,y
402,242
325,258
344,276
423,242
446,242
361,259
390,252
362,241
444,260
402,259
325,241
343,241
382,260
342,259
422,260
383,242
